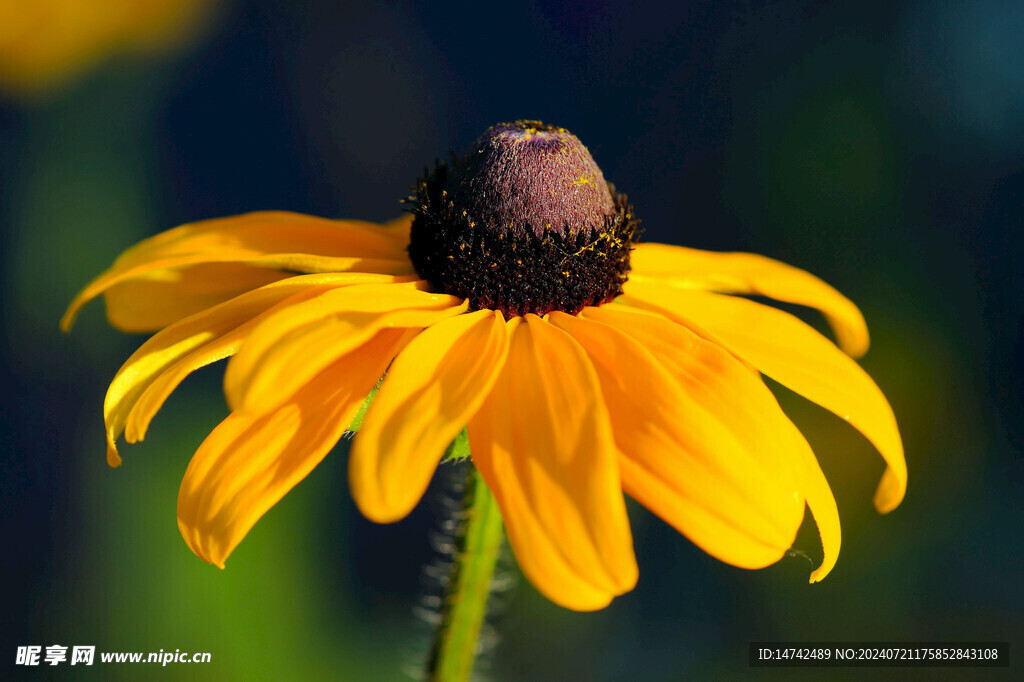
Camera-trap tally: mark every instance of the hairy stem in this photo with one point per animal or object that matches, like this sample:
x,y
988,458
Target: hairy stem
x,y
457,639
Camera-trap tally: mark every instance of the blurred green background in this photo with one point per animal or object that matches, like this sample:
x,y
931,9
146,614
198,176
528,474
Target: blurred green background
x,y
876,144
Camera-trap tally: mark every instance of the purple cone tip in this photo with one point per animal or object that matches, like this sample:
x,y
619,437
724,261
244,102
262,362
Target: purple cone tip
x,y
530,176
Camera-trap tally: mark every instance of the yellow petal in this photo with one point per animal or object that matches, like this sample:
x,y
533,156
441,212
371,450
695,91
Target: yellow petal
x,y
163,297
160,268
798,357
671,344
543,444
273,240
290,347
397,231
748,273
193,336
823,508
704,443
268,232
249,462
223,346
429,394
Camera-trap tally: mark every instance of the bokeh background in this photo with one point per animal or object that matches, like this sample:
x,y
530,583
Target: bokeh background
x,y
879,145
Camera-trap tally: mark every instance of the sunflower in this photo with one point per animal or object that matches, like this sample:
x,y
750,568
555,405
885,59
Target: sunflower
x,y
514,303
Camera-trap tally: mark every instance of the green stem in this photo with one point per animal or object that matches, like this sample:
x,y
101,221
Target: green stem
x,y
456,642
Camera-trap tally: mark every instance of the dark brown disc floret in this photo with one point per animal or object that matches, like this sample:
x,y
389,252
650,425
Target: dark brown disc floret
x,y
523,223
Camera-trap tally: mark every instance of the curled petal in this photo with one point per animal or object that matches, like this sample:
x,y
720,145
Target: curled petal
x,y
742,402
748,273
292,346
152,399
794,354
196,341
249,462
268,232
823,508
713,453
431,390
181,293
270,240
543,443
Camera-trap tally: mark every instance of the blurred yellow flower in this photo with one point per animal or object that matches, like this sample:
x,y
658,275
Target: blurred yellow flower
x,y
513,303
46,43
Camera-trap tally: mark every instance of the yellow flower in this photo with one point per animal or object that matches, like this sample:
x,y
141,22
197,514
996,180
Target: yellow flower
x,y
513,303
44,43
